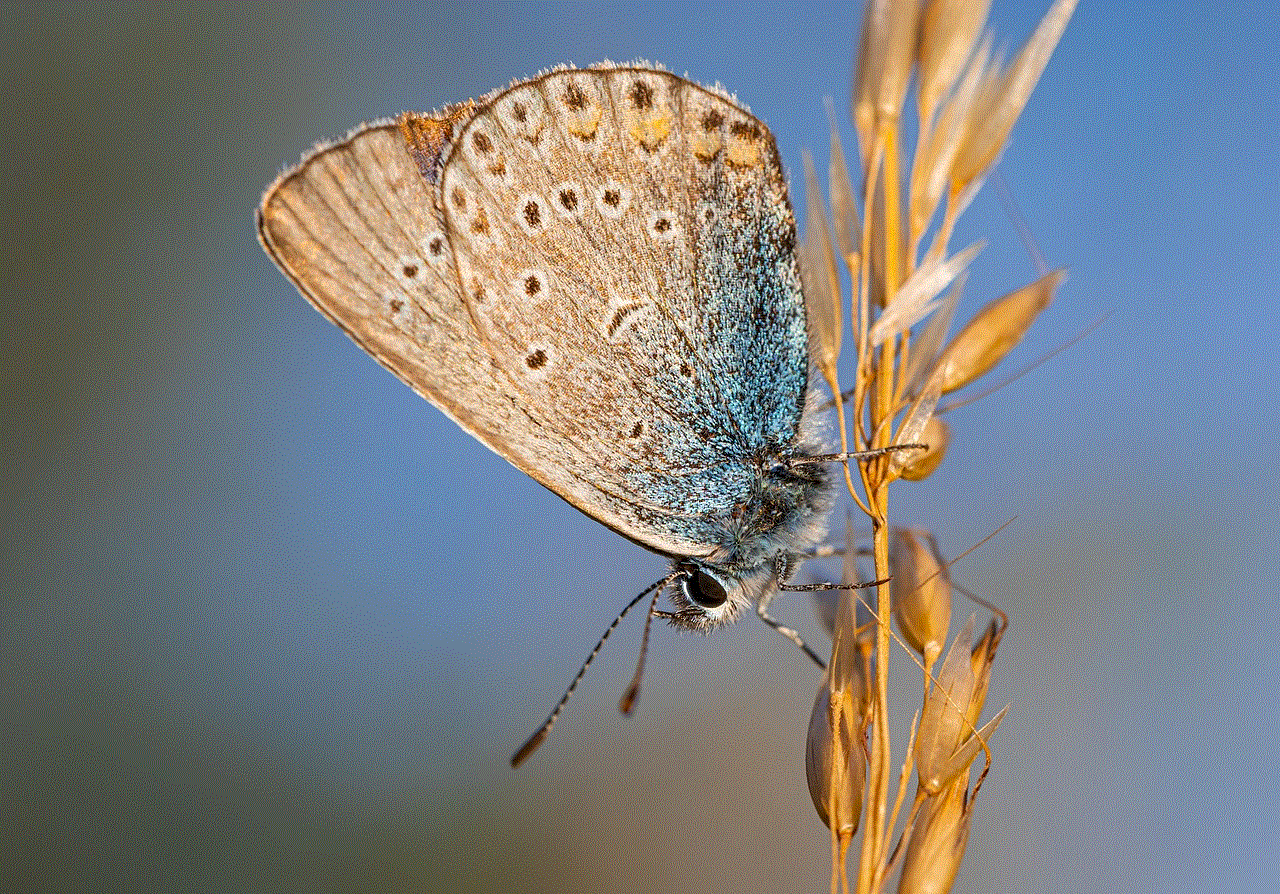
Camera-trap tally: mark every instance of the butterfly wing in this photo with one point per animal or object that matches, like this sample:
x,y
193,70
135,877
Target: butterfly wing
x,y
591,272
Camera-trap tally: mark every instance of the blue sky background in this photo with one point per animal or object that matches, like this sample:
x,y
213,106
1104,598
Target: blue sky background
x,y
271,622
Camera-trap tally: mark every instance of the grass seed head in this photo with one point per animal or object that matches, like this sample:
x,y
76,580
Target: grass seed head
x,y
921,592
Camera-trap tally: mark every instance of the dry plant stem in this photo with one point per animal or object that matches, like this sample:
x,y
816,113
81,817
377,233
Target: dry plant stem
x,y
904,780
878,766
877,762
893,273
865,362
901,847
876,843
844,444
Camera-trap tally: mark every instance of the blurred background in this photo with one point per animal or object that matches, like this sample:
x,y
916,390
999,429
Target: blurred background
x,y
270,622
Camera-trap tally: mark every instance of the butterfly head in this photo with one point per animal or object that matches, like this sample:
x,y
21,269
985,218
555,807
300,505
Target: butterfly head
x,y
707,596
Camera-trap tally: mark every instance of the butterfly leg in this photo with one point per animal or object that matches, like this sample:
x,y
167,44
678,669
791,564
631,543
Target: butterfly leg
x,y
834,550
762,609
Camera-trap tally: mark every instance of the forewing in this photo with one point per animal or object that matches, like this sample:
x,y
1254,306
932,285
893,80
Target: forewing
x,y
626,249
591,272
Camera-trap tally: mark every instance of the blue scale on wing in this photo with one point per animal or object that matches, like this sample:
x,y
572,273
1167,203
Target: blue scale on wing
x,y
755,321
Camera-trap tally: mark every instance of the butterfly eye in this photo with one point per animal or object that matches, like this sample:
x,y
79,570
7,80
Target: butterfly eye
x,y
703,590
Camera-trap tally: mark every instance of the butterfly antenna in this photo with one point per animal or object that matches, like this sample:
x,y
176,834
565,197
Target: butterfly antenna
x,y
628,701
531,745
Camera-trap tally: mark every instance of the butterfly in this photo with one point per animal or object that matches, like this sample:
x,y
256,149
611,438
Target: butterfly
x,y
594,273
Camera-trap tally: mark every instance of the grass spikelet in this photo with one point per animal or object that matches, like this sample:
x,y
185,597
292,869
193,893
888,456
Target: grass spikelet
x,y
892,232
1005,92
994,331
949,31
922,592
